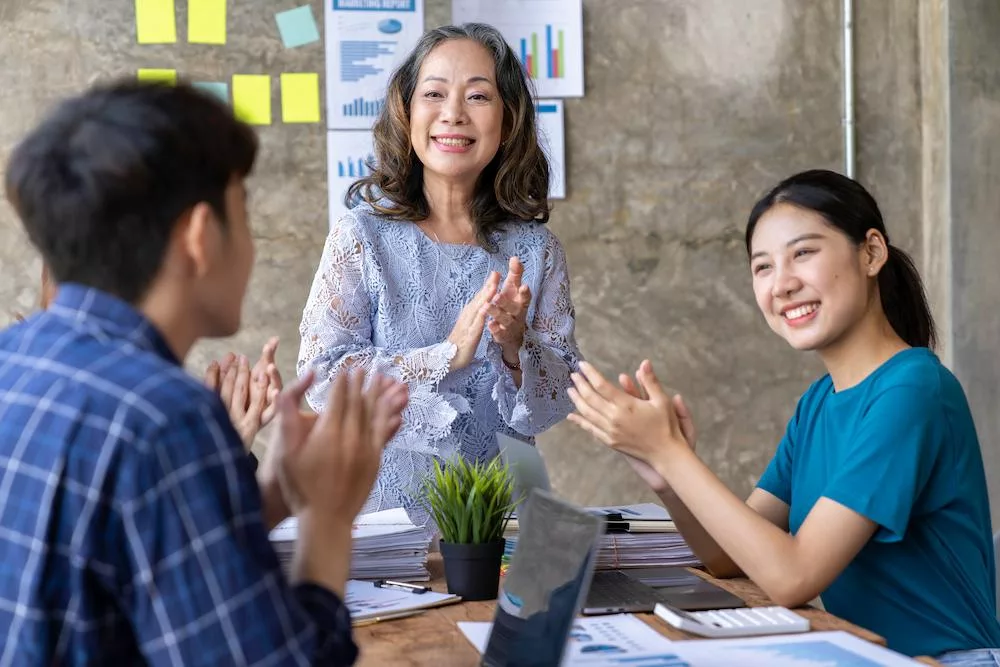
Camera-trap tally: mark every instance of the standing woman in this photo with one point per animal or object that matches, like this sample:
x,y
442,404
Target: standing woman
x,y
410,282
876,498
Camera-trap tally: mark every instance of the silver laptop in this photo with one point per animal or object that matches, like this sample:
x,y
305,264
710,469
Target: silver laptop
x,y
617,591
526,465
547,582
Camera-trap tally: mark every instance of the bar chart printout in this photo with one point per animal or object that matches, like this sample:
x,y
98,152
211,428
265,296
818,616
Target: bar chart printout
x,y
552,138
550,46
366,40
349,154
553,55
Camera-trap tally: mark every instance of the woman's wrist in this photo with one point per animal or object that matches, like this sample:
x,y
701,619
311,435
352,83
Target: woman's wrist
x,y
511,357
506,357
669,459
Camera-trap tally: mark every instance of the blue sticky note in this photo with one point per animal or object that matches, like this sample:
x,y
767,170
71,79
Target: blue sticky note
x,y
297,26
219,89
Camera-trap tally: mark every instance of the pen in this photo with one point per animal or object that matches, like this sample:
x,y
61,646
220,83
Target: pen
x,y
386,617
402,586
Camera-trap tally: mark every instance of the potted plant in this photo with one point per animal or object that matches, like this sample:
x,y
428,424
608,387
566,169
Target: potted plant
x,y
471,503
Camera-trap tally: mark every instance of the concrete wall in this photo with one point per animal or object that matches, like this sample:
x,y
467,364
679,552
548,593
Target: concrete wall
x,y
693,108
974,160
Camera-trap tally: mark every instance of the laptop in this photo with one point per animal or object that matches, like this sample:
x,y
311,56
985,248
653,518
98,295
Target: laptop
x,y
617,591
546,584
526,466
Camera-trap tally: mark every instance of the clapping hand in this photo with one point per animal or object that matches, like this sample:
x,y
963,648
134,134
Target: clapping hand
x,y
468,330
329,462
639,419
644,470
508,312
249,394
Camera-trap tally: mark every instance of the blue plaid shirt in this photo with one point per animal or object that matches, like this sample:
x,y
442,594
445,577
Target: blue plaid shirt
x,y
130,518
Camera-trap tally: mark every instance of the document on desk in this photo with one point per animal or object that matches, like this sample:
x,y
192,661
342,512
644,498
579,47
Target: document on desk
x,y
621,635
810,649
366,601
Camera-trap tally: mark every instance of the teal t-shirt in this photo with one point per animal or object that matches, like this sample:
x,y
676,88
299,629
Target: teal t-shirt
x,y
901,449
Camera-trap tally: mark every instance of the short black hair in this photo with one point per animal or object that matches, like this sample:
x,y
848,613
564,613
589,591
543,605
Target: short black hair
x,y
101,183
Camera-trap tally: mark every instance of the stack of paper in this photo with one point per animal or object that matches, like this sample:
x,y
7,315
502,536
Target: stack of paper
x,y
387,545
644,537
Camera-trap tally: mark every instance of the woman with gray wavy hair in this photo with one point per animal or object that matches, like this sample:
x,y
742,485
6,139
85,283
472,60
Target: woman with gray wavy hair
x,y
410,282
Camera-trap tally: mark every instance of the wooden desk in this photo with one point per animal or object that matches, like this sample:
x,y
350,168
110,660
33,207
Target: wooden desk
x,y
433,638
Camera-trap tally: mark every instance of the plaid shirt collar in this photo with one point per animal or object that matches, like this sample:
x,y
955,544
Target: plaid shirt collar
x,y
107,316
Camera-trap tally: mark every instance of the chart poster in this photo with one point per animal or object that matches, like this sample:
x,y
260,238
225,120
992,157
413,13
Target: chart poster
x,y
546,35
552,137
365,41
349,154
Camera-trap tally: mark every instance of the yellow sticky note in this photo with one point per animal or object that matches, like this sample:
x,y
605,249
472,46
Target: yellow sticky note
x,y
155,22
158,76
207,21
300,98
252,98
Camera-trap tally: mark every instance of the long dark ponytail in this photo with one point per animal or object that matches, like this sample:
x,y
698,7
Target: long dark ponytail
x,y
849,207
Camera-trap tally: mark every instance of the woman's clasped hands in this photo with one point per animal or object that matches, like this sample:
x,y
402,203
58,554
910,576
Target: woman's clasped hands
x,y
501,310
638,419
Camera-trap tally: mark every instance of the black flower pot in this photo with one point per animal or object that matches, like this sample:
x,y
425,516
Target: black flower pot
x,y
473,570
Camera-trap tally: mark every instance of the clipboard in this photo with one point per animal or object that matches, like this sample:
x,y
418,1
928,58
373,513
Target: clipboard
x,y
369,603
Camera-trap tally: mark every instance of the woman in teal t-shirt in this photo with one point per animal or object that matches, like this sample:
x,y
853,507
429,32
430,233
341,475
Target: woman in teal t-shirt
x,y
876,498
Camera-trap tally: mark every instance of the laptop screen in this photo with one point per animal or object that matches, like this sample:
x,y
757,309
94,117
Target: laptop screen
x,y
547,582
526,466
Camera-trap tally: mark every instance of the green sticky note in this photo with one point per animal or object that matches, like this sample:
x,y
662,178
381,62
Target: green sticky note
x,y
300,98
158,76
297,26
252,98
155,22
218,88
207,21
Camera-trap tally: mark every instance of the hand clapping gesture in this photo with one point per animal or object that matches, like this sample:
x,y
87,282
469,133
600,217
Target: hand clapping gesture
x,y
249,394
329,462
640,420
508,312
468,329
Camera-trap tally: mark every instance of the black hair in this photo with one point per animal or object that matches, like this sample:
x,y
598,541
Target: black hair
x,y
101,183
847,205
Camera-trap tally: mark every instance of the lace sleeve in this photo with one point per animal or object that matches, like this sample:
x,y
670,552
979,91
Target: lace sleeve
x,y
336,333
548,356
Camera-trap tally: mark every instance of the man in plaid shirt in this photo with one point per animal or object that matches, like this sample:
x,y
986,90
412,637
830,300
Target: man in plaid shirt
x,y
133,528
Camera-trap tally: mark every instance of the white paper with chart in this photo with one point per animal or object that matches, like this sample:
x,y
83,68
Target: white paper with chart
x,y
348,155
810,649
625,640
552,137
546,35
619,634
365,41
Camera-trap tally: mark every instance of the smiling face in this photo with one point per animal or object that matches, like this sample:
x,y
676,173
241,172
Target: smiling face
x,y
456,114
811,281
